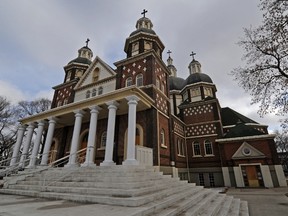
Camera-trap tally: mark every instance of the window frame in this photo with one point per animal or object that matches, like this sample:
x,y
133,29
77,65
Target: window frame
x,y
207,145
129,81
194,144
139,78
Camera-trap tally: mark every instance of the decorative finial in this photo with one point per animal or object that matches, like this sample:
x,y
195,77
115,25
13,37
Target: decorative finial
x,y
193,54
169,52
144,12
87,41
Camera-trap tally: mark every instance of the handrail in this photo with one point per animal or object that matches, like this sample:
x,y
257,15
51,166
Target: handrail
x,y
44,186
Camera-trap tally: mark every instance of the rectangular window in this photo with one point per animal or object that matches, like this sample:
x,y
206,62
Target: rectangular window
x,y
201,179
196,149
211,180
208,148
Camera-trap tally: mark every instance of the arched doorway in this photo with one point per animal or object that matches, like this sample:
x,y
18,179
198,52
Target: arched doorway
x,y
53,151
83,145
138,138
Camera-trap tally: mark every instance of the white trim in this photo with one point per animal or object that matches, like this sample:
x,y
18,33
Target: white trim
x,y
246,138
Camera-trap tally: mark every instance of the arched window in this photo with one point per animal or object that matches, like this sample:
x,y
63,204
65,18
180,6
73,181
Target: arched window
x,y
180,147
94,92
95,77
157,83
162,138
129,81
65,101
100,90
139,80
208,147
59,103
196,149
103,139
88,94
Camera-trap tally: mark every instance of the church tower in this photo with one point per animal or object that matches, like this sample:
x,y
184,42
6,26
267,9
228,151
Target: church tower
x,y
64,93
145,69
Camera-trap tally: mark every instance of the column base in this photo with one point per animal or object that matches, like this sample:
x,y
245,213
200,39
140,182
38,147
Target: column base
x,y
74,165
108,163
87,164
130,162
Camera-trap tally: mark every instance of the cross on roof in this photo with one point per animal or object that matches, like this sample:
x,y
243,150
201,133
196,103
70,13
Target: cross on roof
x,y
87,41
193,54
169,52
144,12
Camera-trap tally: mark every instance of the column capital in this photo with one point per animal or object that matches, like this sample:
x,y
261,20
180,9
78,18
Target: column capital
x,y
53,119
79,112
132,98
31,125
22,127
95,108
112,104
41,123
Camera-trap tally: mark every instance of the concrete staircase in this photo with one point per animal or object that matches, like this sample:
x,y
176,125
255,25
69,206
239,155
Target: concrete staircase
x,y
131,186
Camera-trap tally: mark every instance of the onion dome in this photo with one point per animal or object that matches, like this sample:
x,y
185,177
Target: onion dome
x,y
85,55
176,83
145,25
198,77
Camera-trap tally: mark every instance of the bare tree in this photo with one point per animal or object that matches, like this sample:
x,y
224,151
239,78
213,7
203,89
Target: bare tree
x,y
265,74
281,141
28,108
7,128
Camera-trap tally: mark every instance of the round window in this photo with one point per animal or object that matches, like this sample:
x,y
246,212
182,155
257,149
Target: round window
x,y
246,151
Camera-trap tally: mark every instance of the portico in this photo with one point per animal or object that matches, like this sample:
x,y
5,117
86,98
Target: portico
x,y
127,101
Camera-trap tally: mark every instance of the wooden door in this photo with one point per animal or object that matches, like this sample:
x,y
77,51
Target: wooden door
x,y
252,177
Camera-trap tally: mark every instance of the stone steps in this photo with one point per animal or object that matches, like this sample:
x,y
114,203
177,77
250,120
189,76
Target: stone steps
x,y
154,193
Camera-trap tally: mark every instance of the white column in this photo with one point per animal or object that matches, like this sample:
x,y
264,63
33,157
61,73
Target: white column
x,y
35,150
26,144
48,142
89,160
266,175
75,139
226,176
16,149
132,102
280,176
112,106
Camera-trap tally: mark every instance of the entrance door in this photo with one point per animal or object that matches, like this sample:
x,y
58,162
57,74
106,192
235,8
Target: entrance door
x,y
52,153
83,145
252,176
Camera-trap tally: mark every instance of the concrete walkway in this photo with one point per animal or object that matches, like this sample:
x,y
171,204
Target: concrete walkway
x,y
262,202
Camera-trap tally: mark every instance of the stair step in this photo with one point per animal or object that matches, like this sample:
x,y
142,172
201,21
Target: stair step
x,y
244,208
224,209
234,208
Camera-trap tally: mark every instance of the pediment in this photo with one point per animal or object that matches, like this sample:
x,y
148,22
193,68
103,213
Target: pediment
x,y
104,72
246,151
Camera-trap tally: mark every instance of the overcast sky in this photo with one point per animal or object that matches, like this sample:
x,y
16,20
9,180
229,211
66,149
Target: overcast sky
x,y
38,38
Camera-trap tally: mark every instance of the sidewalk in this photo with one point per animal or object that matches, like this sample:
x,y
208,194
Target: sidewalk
x,y
263,202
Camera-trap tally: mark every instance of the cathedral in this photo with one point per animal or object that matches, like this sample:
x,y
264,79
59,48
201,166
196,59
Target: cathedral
x,y
139,112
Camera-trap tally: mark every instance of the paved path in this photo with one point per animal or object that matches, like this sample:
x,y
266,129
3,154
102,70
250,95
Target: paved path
x,y
264,202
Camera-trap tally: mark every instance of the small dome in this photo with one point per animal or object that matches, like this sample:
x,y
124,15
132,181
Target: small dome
x,y
198,77
144,30
176,83
81,60
145,25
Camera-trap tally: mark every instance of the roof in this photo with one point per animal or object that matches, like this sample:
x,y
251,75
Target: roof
x,y
198,77
144,30
243,130
176,83
231,117
81,60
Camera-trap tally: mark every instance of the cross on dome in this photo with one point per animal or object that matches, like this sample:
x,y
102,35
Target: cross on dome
x,y
144,12
169,52
87,41
193,54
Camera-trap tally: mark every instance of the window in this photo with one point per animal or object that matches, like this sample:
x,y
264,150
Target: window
x,y
180,147
68,77
94,92
135,48
163,87
88,94
65,101
157,83
79,73
196,149
129,81
201,179
211,180
208,147
95,77
59,103
100,90
103,139
162,138
139,80
147,45
195,92
208,92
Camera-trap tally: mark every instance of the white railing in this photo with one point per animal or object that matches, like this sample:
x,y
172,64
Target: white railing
x,y
144,155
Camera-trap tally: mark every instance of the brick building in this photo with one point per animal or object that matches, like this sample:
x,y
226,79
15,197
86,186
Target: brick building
x,y
140,112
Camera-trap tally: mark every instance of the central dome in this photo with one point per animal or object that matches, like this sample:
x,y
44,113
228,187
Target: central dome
x,y
198,77
176,83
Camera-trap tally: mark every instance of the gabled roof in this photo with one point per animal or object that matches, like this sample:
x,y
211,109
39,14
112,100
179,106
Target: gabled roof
x,y
242,130
246,151
91,68
231,117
